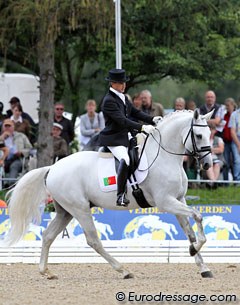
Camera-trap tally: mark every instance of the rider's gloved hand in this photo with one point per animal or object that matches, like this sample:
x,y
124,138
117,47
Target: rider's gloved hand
x,y
147,129
156,119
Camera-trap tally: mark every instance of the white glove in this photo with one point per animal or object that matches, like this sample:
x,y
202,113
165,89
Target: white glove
x,y
147,128
156,119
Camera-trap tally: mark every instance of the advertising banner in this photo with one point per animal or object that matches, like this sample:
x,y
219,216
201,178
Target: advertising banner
x,y
220,222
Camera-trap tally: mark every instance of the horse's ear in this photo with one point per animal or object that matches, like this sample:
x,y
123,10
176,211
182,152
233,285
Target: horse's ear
x,y
196,114
208,115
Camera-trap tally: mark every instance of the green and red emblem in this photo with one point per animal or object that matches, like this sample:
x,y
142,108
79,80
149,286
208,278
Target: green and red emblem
x,y
109,180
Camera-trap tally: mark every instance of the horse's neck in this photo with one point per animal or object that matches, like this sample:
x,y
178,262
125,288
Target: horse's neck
x,y
171,136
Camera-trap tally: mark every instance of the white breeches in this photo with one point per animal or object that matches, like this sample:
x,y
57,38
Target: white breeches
x,y
120,152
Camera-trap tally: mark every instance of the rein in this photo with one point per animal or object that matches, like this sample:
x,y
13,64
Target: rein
x,y
195,152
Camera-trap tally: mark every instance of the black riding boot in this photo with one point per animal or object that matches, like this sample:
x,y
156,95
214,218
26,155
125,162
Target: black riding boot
x,y
121,184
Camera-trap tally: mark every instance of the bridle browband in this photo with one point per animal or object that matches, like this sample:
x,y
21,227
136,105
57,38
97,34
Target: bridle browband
x,y
195,152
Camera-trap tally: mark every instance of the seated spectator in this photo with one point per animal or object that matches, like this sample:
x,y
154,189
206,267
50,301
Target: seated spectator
x,y
91,123
16,101
60,147
217,149
20,124
153,109
179,104
4,151
19,147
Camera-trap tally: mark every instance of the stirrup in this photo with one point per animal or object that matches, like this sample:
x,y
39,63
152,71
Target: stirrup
x,y
122,200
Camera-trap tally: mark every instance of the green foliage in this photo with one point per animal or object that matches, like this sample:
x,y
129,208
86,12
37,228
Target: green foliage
x,y
182,39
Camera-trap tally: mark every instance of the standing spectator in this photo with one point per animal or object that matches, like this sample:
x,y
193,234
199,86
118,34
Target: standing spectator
x,y
210,104
20,124
91,123
19,147
227,138
191,105
179,104
68,130
60,148
16,101
137,101
2,116
234,124
153,109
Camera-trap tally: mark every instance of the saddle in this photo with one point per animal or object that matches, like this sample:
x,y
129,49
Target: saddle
x,y
134,162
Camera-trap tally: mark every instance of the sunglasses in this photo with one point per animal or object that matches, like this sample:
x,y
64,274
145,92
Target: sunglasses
x,y
7,125
59,109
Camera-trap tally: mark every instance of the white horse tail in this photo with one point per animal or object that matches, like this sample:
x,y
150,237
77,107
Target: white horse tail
x,y
23,202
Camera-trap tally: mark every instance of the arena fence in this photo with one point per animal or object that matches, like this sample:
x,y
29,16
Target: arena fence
x,y
126,252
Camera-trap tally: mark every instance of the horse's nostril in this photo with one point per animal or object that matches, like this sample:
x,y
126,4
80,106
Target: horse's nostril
x,y
206,166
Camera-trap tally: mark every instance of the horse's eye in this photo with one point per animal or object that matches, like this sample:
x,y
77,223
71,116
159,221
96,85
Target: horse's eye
x,y
199,136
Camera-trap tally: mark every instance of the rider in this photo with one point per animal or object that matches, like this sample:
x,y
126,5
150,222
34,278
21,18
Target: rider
x,y
117,109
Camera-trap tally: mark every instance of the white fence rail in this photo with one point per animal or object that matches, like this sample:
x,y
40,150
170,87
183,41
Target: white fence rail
x,y
125,251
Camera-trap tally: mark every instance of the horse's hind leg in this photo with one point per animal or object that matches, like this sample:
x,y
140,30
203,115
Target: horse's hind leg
x,y
86,221
56,226
185,224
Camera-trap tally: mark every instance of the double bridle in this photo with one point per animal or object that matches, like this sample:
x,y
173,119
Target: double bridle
x,y
195,151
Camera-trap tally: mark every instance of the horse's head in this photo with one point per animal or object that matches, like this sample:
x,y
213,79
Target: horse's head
x,y
197,141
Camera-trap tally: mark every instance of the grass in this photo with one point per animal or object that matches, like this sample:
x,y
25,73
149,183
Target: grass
x,y
222,195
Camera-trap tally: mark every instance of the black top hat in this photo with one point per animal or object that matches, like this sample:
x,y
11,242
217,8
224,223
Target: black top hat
x,y
117,76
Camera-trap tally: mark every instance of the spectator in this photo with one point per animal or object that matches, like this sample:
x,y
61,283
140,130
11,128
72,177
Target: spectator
x,y
210,104
2,116
217,149
137,101
91,123
227,138
153,109
234,124
4,151
179,104
16,101
20,124
60,148
191,105
68,130
19,147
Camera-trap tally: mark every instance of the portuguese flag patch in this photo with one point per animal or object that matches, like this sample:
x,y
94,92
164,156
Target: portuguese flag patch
x,y
109,180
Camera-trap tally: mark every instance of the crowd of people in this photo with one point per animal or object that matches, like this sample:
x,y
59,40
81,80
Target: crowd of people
x,y
19,133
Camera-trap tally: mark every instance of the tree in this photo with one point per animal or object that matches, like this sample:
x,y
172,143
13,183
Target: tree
x,y
37,25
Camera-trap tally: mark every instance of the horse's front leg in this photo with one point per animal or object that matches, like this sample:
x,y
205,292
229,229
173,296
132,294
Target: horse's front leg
x,y
176,207
185,224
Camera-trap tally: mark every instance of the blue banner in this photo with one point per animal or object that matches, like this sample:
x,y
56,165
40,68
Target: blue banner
x,y
220,222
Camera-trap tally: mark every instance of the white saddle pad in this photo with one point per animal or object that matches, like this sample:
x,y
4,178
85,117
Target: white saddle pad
x,y
107,175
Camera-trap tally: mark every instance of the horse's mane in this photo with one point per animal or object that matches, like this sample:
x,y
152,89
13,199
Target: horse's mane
x,y
173,114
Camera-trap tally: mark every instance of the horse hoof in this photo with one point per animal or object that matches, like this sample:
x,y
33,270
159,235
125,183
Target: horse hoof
x,y
128,276
192,250
206,274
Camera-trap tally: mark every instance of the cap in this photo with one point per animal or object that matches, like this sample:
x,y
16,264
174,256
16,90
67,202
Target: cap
x,y
8,122
58,126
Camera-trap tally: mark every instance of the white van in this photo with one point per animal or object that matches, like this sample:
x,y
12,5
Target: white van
x,y
23,86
